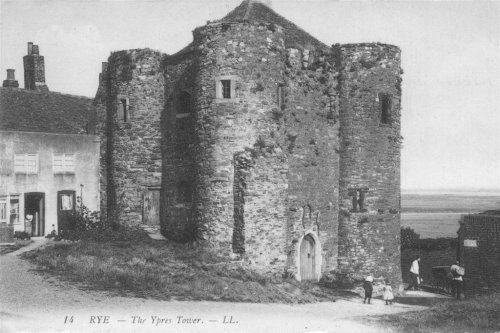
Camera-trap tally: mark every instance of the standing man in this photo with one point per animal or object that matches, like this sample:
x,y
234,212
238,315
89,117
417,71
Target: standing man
x,y
414,273
457,281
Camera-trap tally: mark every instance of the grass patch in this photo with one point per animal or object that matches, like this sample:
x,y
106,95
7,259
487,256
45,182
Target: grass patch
x,y
162,270
4,249
479,314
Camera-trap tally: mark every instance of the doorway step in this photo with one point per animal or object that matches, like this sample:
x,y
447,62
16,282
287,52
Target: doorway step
x,y
153,232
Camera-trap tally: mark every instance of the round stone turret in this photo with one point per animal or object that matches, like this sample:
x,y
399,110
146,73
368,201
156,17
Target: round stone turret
x,y
133,84
370,153
232,84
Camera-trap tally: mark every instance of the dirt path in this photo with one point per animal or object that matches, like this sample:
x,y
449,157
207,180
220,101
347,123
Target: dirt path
x,y
32,302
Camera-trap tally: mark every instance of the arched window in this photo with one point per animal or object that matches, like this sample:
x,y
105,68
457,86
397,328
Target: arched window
x,y
184,102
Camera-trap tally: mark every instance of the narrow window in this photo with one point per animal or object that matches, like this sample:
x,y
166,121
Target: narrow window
x,y
124,110
3,210
226,88
281,97
14,209
184,102
354,194
361,200
385,106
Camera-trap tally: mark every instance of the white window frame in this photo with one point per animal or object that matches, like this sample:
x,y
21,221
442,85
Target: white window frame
x,y
14,197
66,165
4,213
219,89
21,163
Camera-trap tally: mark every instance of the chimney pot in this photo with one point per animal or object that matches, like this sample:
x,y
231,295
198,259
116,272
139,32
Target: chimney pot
x,y
11,80
30,47
10,74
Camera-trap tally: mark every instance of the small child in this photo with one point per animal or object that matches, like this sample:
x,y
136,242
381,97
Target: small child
x,y
388,295
368,287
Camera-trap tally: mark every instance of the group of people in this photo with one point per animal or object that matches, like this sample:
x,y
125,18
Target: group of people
x,y
457,272
368,287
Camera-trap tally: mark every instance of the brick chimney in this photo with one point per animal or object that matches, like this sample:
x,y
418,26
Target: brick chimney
x,y
11,81
34,69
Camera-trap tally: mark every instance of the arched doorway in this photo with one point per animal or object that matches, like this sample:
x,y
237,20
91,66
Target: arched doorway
x,y
308,258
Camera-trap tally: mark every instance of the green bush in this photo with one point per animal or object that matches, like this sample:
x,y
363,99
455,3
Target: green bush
x,y
409,238
21,235
84,224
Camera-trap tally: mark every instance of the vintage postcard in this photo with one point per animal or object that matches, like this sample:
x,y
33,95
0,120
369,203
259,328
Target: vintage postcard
x,y
249,166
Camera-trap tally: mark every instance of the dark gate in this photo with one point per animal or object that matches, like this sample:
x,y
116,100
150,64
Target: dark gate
x,y
65,208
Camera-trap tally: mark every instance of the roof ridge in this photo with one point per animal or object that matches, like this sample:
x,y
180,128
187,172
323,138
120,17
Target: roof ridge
x,y
44,92
249,8
258,11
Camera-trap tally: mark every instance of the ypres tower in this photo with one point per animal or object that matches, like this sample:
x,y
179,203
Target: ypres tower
x,y
262,142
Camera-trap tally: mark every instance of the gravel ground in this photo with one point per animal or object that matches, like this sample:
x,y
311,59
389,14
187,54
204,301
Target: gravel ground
x,y
33,302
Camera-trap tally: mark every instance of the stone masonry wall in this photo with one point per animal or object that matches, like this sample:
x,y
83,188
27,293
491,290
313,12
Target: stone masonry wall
x,y
261,203
481,262
100,130
310,112
133,147
370,143
252,55
178,149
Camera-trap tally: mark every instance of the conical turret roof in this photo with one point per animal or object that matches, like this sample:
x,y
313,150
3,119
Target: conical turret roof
x,y
251,10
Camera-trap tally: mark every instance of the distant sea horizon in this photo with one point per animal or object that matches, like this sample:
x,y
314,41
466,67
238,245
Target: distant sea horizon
x,y
452,191
434,213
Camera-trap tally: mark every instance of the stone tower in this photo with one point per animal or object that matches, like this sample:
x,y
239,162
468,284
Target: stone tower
x,y
34,69
131,90
370,145
248,130
273,147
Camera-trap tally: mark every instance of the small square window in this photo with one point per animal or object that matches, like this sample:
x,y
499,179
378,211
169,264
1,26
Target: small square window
x,y
226,88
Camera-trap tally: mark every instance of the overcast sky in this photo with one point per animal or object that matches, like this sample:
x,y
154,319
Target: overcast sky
x,y
450,55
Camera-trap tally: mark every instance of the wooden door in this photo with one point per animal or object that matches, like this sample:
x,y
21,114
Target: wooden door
x,y
307,259
65,208
151,207
34,205
41,215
